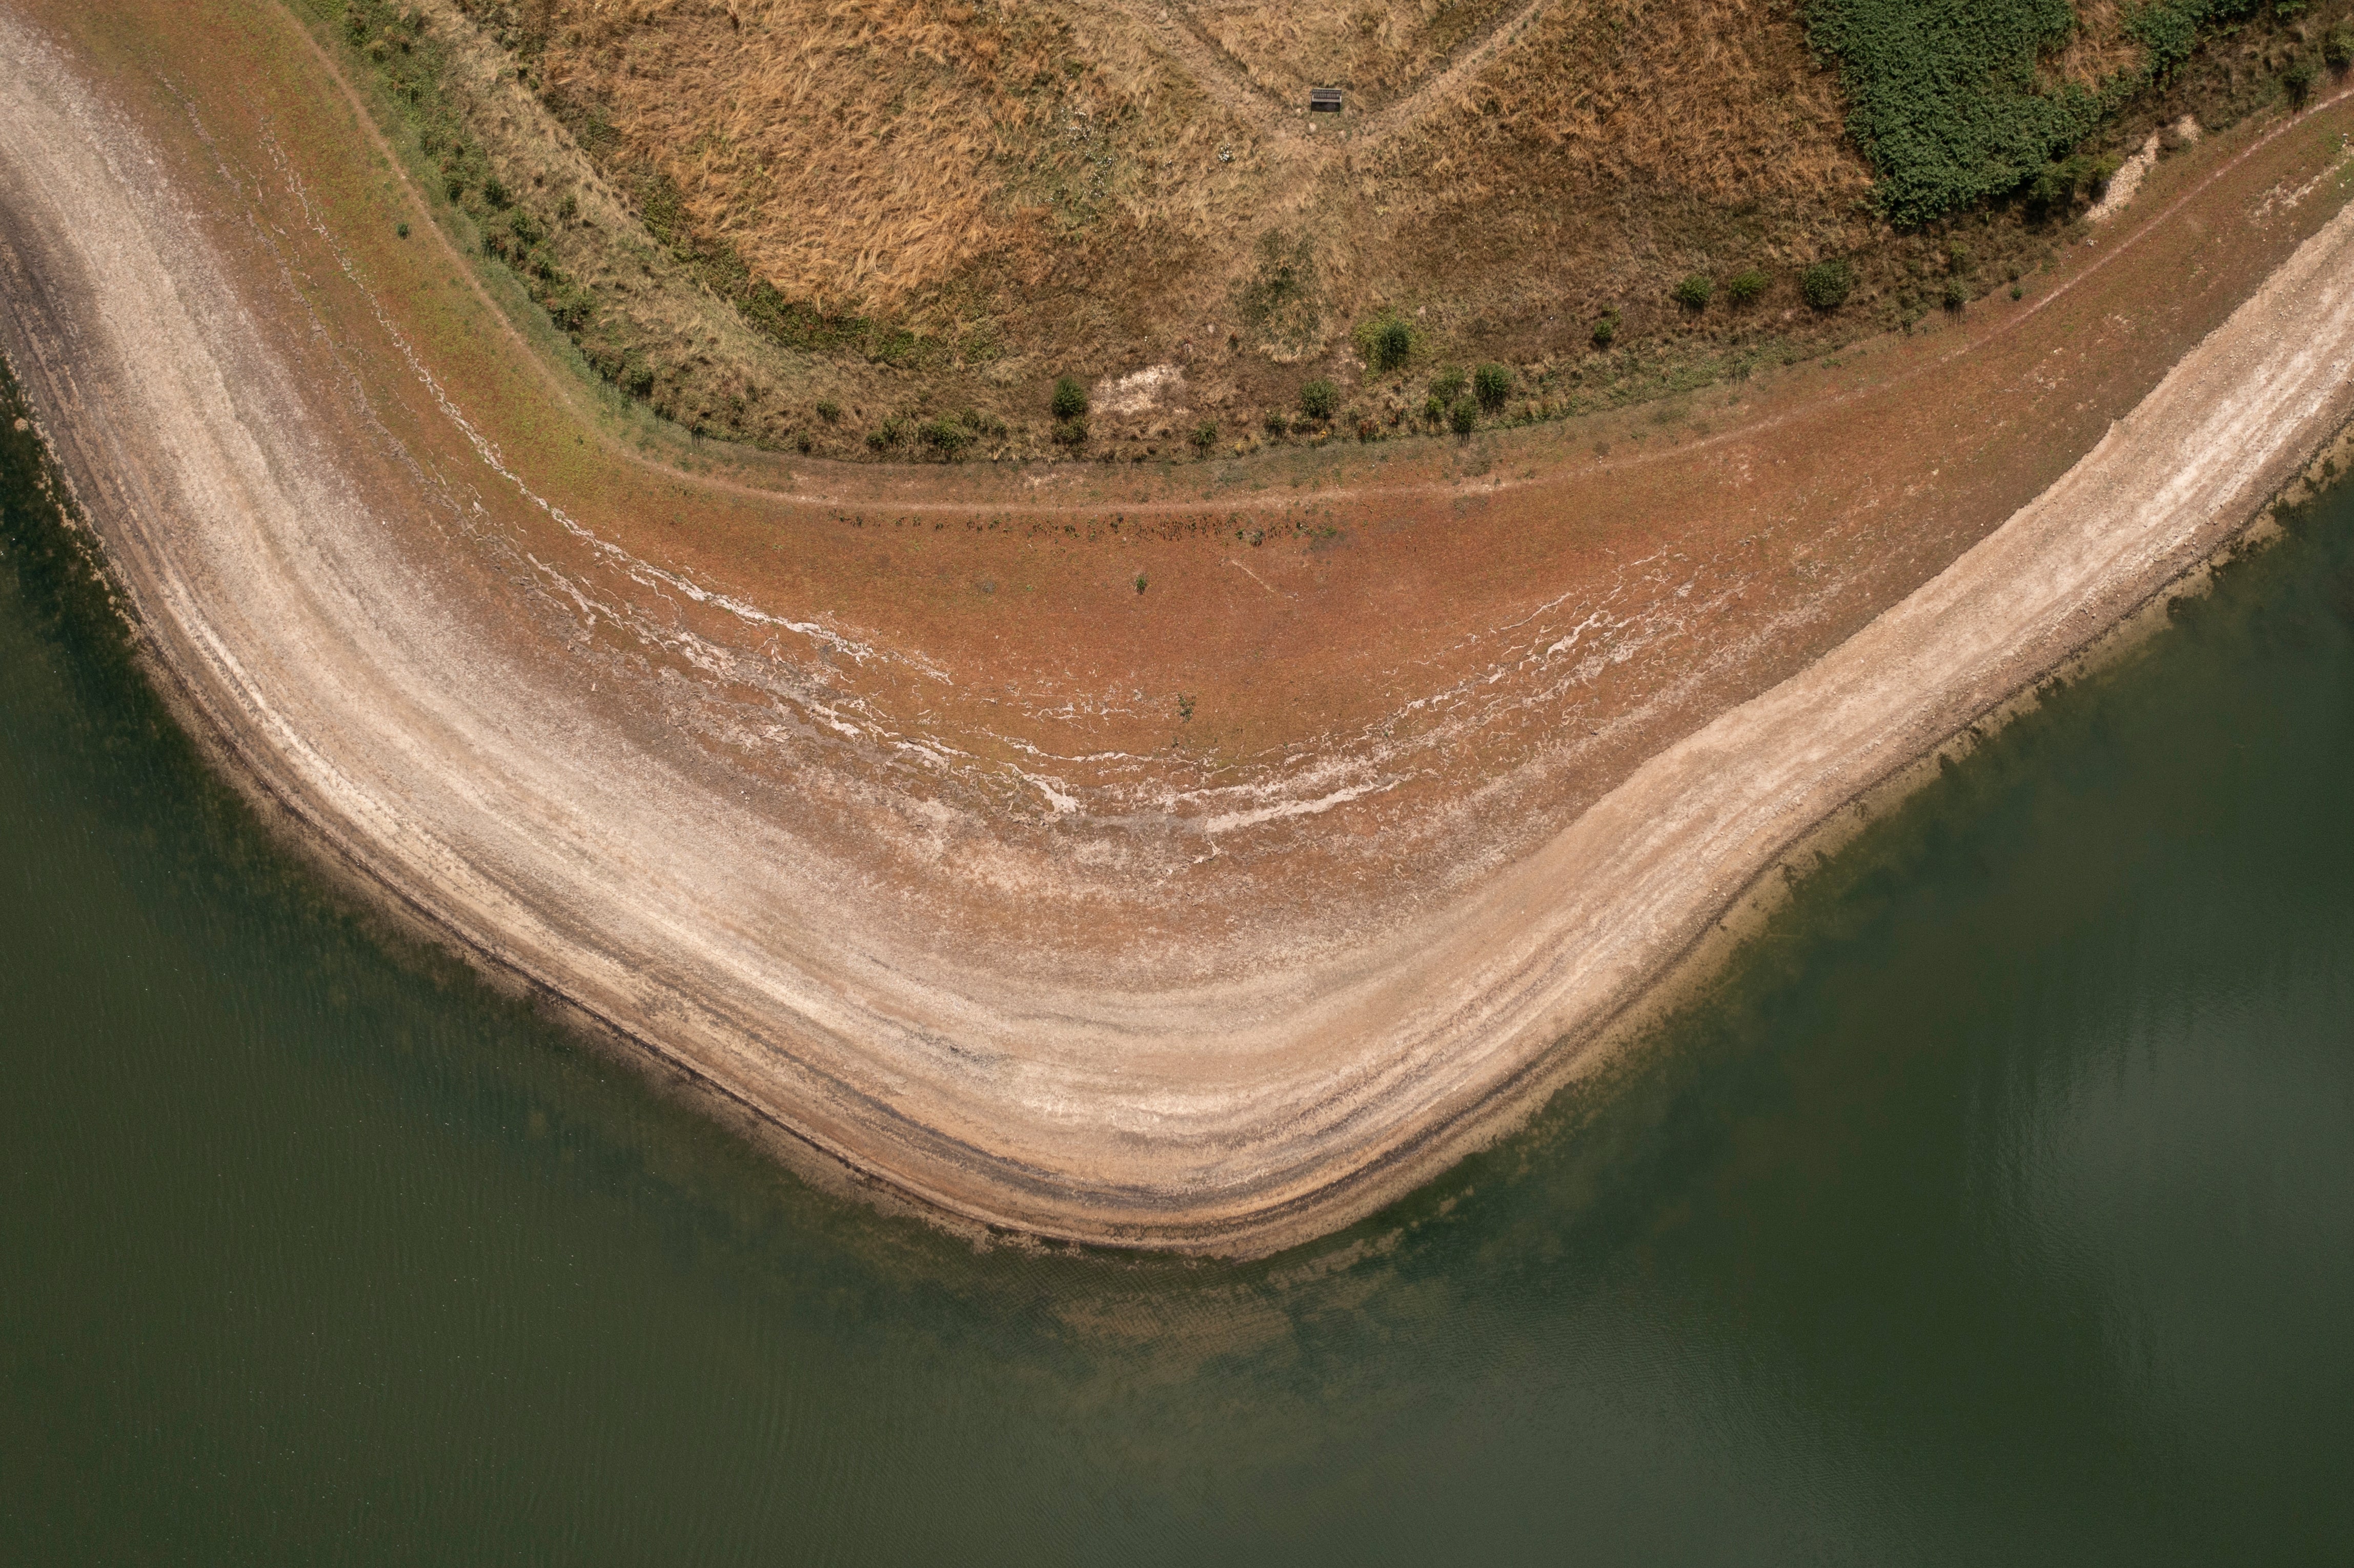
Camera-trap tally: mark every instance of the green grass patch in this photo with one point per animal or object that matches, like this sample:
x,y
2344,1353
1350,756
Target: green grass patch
x,y
1944,96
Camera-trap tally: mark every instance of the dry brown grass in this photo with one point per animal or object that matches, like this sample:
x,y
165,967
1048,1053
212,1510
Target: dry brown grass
x,y
1376,48
860,154
1714,99
936,159
2099,49
1085,181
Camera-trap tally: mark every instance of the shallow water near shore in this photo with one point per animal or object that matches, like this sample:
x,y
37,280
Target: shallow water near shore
x,y
2000,1208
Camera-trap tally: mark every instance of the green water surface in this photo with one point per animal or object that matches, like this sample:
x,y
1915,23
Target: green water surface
x,y
2000,1212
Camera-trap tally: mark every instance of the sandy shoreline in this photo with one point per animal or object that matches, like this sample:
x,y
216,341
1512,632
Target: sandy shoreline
x,y
258,527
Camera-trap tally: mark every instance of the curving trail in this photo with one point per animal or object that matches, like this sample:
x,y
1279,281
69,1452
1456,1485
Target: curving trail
x,y
1228,83
1131,995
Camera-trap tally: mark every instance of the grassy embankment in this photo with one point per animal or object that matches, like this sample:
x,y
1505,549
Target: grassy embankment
x,y
1988,125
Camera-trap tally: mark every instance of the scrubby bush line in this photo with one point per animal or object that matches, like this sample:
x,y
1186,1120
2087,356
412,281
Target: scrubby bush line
x,y
518,225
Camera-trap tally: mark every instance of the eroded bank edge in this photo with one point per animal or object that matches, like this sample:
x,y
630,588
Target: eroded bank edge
x,y
1694,977
97,606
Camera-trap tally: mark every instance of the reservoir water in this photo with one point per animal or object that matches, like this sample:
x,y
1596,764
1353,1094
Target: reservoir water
x,y
2000,1209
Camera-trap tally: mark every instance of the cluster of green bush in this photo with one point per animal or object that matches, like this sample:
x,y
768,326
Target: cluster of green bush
x,y
1694,293
1825,286
1458,397
2170,29
1943,97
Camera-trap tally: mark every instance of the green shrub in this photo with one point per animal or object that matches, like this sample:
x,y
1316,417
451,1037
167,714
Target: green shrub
x,y
2168,29
1448,384
1464,416
1434,408
1827,284
1140,583
2056,186
1205,436
2337,50
1959,263
1278,422
570,308
1070,399
1957,295
1388,343
943,436
1319,398
1491,384
1694,293
1605,330
1744,287
2298,79
495,191
1071,432
401,229
828,409
454,185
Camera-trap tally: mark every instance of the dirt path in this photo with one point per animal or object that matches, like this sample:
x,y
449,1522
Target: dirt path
x,y
1229,85
1301,158
322,576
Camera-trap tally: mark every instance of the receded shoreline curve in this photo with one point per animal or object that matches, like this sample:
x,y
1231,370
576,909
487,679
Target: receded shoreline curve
x,y
846,878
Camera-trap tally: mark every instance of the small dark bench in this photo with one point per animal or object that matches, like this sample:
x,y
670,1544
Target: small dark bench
x,y
1324,101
